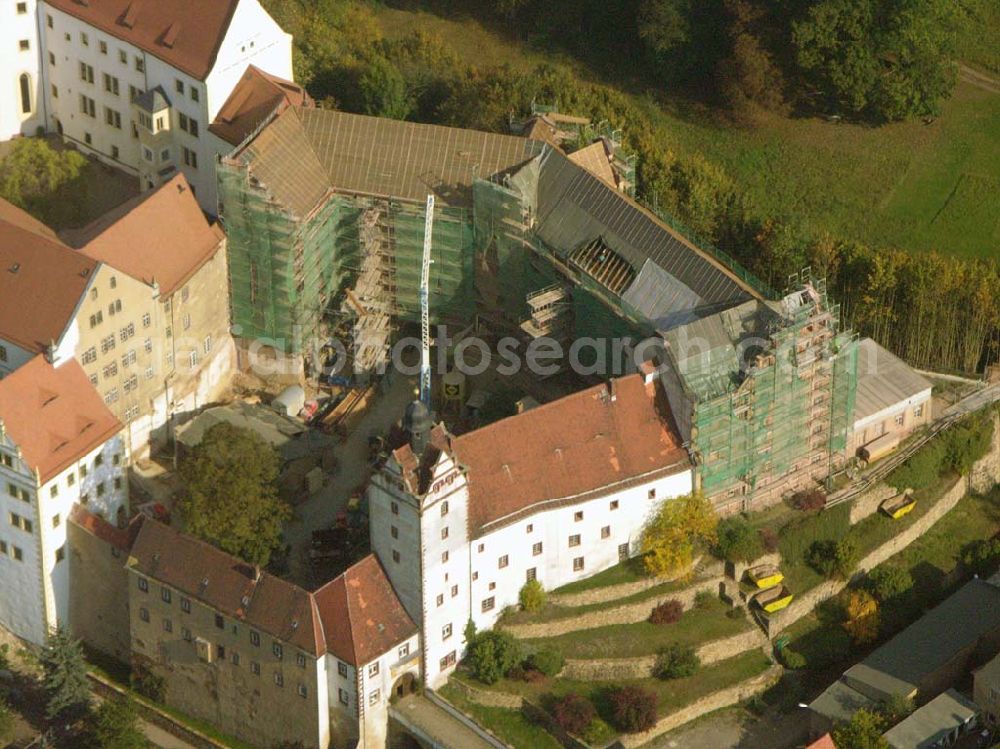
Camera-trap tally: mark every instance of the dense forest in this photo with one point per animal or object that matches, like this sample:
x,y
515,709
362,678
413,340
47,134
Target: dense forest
x,y
871,60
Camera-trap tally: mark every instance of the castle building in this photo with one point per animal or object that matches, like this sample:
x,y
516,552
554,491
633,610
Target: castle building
x,y
261,658
554,494
137,305
59,446
136,83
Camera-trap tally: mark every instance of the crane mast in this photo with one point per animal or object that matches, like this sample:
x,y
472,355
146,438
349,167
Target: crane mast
x,y
425,313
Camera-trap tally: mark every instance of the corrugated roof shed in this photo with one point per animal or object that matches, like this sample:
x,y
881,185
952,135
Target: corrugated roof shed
x,y
575,207
901,665
931,725
883,380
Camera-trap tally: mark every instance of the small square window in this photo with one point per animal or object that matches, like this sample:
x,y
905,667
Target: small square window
x,y
143,585
186,605
277,650
606,531
489,604
342,669
530,528
373,669
303,692
577,516
279,679
502,561
300,660
445,631
444,533
444,557
255,638
531,574
374,697
536,549
220,621
395,556
60,553
651,494
22,8
444,508
394,508
578,564
614,504
144,614
440,599
168,626
255,668
481,548
574,540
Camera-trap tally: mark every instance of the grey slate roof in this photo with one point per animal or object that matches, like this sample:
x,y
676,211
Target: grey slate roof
x,y
575,207
154,100
883,380
936,720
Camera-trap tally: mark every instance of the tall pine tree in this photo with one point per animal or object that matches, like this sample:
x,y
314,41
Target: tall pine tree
x,y
64,677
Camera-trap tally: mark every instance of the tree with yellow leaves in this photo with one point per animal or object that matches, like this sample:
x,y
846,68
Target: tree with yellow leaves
x,y
671,536
862,617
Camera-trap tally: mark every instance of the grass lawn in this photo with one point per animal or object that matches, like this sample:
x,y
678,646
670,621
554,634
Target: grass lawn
x,y
551,612
696,626
629,571
908,184
931,560
672,694
510,725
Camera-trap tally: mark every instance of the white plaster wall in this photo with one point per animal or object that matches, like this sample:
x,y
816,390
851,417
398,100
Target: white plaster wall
x,y
36,590
889,414
384,489
334,683
65,75
372,729
253,38
553,529
14,62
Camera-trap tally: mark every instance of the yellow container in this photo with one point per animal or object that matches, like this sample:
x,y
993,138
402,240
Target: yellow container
x,y
778,603
763,583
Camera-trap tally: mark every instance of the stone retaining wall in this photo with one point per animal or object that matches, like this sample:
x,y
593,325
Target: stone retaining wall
x,y
985,475
715,701
868,503
625,614
486,697
711,568
805,603
641,667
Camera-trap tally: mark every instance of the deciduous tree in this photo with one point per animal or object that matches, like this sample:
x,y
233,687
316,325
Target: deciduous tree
x,y
231,496
862,617
670,538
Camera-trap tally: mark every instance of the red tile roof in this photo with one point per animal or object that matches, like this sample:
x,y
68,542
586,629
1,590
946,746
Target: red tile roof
x,y
823,742
227,584
606,435
161,235
356,616
120,538
256,96
54,415
182,33
41,281
362,616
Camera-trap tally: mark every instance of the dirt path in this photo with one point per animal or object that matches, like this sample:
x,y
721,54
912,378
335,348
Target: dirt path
x,y
978,79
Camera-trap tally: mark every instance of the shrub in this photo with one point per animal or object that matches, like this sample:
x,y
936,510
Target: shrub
x,y
791,659
921,469
633,709
532,596
833,558
548,662
677,661
967,442
809,499
492,654
668,612
149,685
704,598
737,541
573,713
888,581
598,733
6,722
981,557
769,539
